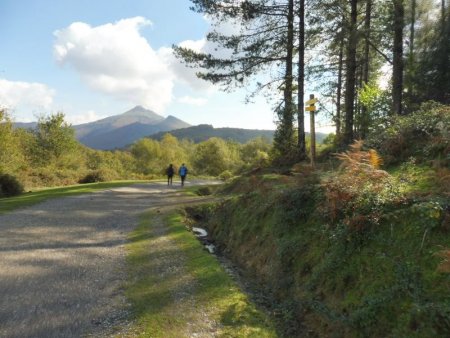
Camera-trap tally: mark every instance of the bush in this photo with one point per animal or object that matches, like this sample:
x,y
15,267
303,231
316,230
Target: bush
x,y
10,186
204,191
101,175
225,175
424,134
357,193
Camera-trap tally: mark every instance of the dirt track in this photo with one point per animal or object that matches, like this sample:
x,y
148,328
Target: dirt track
x,y
62,261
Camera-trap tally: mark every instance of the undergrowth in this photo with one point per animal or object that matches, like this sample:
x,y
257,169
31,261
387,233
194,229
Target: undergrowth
x,y
357,252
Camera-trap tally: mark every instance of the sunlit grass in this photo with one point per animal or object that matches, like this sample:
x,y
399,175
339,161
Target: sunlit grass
x,y
415,178
30,198
215,298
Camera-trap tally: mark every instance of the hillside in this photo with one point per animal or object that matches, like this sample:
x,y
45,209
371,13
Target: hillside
x,y
203,132
120,130
25,125
354,252
375,273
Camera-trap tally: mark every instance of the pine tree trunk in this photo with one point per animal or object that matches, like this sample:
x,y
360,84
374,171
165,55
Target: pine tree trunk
x,y
443,78
397,66
283,138
350,74
289,74
301,83
339,88
366,66
412,28
443,15
411,59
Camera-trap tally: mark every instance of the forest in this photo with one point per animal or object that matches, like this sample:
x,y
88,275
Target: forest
x,y
340,48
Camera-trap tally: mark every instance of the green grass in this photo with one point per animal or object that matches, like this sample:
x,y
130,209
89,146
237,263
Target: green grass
x,y
416,178
30,198
190,191
377,281
202,190
215,296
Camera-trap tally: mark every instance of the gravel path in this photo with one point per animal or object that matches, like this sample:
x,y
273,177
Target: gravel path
x,y
62,261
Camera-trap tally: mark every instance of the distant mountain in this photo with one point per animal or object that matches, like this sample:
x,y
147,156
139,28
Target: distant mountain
x,y
203,132
118,131
121,130
25,125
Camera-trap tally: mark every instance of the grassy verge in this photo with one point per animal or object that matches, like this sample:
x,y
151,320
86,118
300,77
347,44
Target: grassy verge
x,y
386,276
214,306
26,199
203,190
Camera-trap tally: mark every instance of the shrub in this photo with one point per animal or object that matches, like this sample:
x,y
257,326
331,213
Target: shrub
x,y
101,175
357,193
204,191
9,186
225,175
424,134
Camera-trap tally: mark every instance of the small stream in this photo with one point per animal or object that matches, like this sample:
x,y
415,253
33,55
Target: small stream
x,y
257,292
202,236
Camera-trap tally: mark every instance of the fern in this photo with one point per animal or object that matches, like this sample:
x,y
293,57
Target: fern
x,y
357,192
359,161
375,159
444,265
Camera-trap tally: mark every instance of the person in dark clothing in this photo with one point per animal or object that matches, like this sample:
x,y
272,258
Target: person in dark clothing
x,y
183,173
170,171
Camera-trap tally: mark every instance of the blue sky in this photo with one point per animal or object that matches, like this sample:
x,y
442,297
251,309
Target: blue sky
x,y
92,59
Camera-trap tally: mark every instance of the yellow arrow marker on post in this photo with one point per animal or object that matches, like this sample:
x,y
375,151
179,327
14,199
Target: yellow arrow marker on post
x,y
312,108
311,101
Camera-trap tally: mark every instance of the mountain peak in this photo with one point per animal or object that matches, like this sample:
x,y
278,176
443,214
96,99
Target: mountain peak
x,y
139,110
171,117
119,130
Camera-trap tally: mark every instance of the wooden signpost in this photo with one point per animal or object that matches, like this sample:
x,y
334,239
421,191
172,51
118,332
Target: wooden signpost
x,y
310,106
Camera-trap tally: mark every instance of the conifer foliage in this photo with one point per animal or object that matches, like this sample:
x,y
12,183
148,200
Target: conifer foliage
x,y
340,47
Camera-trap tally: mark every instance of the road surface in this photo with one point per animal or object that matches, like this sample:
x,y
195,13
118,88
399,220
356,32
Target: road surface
x,y
62,262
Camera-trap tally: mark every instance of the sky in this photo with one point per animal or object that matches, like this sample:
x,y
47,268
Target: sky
x,y
95,58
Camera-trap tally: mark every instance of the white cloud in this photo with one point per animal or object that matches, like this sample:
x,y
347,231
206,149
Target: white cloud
x,y
197,45
86,117
186,74
194,101
116,60
17,94
183,74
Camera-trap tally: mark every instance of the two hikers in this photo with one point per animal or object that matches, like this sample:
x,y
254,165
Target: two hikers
x,y
182,172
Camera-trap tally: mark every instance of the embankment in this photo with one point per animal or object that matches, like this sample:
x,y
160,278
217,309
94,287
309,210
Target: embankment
x,y
338,267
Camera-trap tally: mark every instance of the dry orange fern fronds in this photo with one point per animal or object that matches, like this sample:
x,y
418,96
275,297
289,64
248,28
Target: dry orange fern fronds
x,y
444,265
375,159
356,158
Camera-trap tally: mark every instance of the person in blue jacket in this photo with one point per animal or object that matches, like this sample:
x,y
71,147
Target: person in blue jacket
x,y
183,173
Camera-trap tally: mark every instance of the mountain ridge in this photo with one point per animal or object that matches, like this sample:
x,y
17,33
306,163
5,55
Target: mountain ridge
x,y
202,132
119,131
